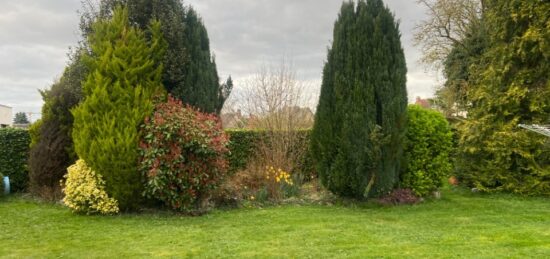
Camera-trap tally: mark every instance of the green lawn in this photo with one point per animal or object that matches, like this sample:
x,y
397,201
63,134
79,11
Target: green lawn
x,y
459,225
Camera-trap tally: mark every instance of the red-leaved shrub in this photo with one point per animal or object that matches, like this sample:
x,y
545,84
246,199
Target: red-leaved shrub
x,y
183,155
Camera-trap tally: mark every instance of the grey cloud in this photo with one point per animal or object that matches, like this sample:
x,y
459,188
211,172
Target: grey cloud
x,y
244,34
247,33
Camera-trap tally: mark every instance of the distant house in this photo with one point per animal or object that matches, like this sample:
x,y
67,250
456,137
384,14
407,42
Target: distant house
x,y
6,116
233,120
425,103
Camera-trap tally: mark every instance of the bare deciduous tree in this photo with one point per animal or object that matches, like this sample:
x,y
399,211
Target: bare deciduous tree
x,y
274,100
448,23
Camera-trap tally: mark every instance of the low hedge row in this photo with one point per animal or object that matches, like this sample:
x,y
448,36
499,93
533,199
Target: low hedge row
x,y
243,144
14,152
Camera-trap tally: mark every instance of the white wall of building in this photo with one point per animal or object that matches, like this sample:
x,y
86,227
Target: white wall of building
x,y
6,115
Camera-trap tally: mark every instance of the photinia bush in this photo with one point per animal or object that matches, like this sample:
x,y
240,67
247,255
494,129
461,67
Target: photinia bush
x,y
183,155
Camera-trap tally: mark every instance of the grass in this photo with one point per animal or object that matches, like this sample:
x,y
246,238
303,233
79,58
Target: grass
x,y
461,224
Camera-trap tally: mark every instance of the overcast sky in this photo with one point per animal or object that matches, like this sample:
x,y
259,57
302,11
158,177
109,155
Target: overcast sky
x,y
244,34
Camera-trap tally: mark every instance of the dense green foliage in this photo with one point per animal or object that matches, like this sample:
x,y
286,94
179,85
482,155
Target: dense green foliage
x,y
85,193
20,118
460,225
183,155
190,72
429,142
361,116
242,146
452,98
125,75
510,86
14,153
52,148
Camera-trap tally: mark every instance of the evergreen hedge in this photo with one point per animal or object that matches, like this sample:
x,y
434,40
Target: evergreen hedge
x,y
242,145
14,153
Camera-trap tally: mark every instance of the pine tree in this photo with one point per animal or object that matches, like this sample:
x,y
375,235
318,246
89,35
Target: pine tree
x,y
361,116
117,97
510,86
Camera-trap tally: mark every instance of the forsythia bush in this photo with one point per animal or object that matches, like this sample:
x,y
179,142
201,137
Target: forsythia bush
x,y
183,155
429,142
85,191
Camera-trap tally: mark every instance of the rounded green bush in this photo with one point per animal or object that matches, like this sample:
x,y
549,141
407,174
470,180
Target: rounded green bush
x,y
429,142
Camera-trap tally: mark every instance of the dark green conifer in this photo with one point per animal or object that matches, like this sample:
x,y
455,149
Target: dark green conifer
x,y
361,115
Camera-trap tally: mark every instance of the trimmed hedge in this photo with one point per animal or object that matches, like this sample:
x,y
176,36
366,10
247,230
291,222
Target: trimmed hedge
x,y
14,152
242,145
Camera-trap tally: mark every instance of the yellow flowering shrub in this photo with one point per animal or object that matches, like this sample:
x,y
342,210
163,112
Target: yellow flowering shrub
x,y
85,191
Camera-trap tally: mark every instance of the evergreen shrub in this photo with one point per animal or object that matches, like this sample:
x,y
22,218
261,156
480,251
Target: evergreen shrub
x,y
85,191
429,142
14,153
183,155
125,74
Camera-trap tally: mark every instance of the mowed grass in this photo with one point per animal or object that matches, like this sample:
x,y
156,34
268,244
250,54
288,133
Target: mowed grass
x,y
461,224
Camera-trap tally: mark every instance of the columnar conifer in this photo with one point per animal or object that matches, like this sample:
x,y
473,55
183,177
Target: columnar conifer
x,y
361,115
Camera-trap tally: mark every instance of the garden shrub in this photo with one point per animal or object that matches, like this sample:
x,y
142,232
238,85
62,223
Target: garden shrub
x,y
429,142
85,191
183,155
52,149
14,153
125,74
243,145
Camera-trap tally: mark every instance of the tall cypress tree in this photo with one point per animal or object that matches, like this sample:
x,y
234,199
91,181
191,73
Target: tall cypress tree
x,y
361,116
117,97
190,72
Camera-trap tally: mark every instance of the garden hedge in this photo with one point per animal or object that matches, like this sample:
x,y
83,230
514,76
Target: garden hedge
x,y
13,159
14,153
242,144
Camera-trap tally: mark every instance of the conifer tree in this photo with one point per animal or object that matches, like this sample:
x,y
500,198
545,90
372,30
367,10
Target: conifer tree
x,y
190,72
117,96
361,116
510,86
